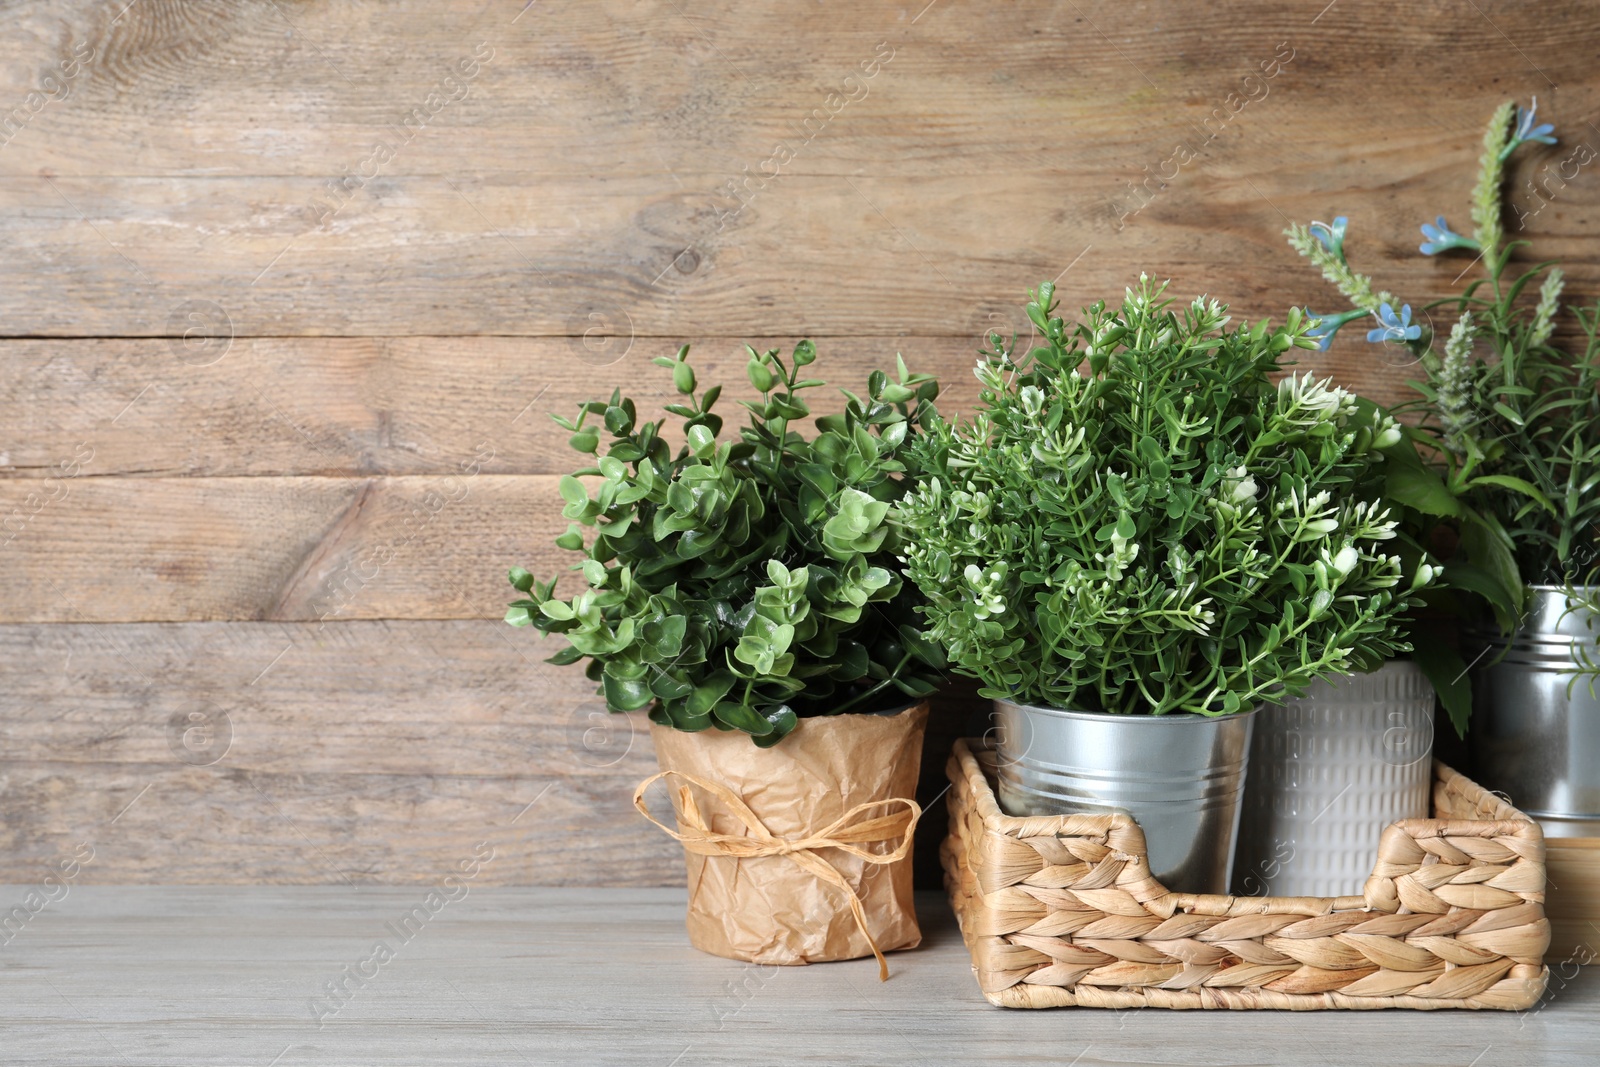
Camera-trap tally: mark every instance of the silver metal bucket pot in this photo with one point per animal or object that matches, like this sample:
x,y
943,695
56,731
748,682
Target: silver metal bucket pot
x,y
1179,776
1531,738
1329,771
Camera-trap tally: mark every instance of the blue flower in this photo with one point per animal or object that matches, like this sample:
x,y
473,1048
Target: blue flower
x,y
1394,329
1526,129
1328,325
1440,238
1331,237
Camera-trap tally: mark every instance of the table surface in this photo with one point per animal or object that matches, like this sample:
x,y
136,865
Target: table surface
x,y
232,975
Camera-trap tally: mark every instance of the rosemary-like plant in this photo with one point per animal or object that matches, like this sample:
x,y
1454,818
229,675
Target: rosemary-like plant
x,y
1510,417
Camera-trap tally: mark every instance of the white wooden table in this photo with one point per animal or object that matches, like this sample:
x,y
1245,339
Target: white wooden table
x,y
230,975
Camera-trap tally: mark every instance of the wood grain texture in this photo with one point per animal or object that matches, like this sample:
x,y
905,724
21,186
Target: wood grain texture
x,y
357,407
573,89
359,752
366,406
200,976
495,255
302,548
1573,902
598,160
356,752
276,271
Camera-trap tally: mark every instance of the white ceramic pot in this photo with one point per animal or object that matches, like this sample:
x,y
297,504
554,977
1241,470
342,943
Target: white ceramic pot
x,y
1329,772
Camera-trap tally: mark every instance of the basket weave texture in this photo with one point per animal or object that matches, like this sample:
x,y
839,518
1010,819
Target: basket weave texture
x,y
1062,911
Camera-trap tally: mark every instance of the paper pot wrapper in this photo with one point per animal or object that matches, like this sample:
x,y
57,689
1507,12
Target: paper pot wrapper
x,y
769,909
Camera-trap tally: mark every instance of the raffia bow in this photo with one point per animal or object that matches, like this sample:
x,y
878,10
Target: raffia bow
x,y
846,833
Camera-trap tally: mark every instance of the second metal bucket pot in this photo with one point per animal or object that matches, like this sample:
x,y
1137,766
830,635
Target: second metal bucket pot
x,y
1329,771
1535,724
1179,776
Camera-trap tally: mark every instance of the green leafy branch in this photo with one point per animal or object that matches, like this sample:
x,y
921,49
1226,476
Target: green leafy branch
x,y
1139,520
742,583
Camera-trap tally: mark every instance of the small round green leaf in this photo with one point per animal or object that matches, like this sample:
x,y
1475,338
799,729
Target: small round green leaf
x,y
683,378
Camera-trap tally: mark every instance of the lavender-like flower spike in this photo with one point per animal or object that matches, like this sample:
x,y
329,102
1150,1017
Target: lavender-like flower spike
x,y
1453,388
1357,288
1544,315
1396,328
1486,224
1441,238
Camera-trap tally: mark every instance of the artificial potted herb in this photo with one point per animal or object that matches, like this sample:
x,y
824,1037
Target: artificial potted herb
x,y
1510,418
1333,767
1139,539
746,591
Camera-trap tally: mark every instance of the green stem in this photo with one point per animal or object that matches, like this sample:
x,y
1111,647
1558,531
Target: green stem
x,y
859,697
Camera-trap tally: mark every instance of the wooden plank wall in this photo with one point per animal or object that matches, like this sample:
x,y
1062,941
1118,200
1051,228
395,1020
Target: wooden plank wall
x,y
288,289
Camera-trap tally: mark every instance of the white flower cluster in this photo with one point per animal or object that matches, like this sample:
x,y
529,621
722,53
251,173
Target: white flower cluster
x,y
1120,558
1196,618
1308,519
1240,486
1304,402
1363,521
1333,569
1236,494
1101,340
1207,316
1368,521
1055,449
975,504
984,586
990,375
1338,565
1387,432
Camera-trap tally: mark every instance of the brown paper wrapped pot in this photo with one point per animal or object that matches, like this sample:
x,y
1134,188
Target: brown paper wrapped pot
x,y
766,909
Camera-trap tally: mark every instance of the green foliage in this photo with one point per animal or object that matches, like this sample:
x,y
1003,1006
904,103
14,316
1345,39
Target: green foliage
x,y
1527,451
1513,420
1509,421
743,583
1138,520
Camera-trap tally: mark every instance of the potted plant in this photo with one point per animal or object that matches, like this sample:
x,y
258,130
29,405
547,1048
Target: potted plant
x,y
1138,540
1510,418
1337,764
746,591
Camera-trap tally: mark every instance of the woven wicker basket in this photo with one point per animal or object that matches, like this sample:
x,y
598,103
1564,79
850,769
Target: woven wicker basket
x,y
1062,911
